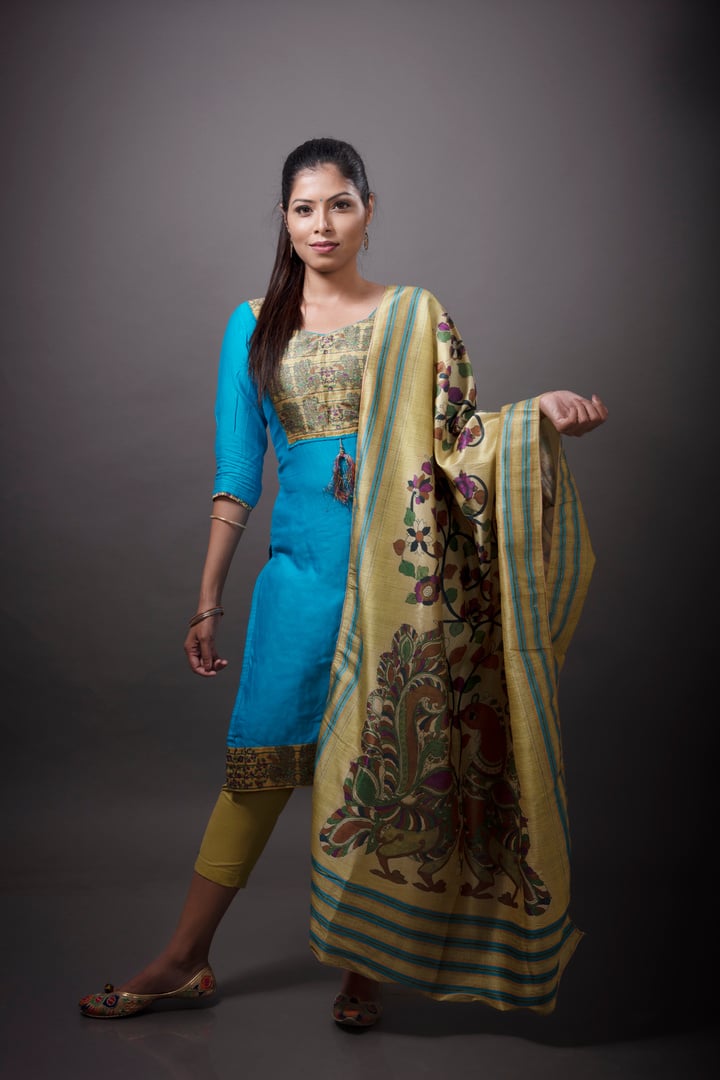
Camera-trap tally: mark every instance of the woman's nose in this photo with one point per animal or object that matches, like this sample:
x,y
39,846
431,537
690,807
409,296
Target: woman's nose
x,y
321,222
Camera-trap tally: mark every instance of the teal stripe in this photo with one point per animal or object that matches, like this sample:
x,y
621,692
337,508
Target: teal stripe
x,y
441,940
389,420
514,578
526,527
369,429
367,434
459,966
529,545
576,557
527,531
434,987
562,547
454,919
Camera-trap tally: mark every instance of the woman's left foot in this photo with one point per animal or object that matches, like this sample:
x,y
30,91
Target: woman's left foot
x,y
358,1004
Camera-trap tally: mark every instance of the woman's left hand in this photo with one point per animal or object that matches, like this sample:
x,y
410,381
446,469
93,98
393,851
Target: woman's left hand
x,y
571,414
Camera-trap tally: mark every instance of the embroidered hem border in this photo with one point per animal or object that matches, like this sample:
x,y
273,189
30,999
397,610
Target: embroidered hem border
x,y
227,495
251,768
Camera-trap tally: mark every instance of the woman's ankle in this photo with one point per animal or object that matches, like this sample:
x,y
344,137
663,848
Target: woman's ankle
x,y
360,986
187,958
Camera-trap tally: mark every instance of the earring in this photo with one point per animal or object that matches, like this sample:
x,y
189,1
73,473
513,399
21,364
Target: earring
x,y
366,241
292,249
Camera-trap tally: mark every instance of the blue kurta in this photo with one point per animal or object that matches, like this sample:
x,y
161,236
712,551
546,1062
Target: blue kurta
x,y
298,596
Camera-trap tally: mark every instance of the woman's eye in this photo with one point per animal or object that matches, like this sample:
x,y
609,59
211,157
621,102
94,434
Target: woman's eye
x,y
342,205
302,210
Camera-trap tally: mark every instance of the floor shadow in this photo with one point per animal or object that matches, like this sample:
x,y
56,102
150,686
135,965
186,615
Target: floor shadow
x,y
279,975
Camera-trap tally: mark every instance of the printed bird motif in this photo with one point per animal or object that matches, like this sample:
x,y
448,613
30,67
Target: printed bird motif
x,y
400,795
495,838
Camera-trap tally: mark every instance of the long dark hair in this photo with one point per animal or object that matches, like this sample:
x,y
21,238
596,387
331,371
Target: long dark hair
x,y
281,315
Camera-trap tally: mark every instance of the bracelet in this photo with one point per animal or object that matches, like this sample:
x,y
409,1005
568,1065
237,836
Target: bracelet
x,y
237,524
206,615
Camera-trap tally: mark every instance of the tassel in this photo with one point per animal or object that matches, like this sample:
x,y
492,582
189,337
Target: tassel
x,y
343,481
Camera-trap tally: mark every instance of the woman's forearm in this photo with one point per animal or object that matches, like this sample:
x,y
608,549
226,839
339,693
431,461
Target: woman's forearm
x,y
222,542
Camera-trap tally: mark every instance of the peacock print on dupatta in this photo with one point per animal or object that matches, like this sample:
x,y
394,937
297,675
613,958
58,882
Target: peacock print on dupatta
x,y
440,835
437,772
400,794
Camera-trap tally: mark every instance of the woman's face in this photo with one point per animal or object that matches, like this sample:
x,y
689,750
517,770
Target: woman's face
x,y
326,218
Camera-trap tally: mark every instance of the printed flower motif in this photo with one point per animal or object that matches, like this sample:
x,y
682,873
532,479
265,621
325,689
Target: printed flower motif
x,y
421,486
471,611
470,435
465,485
206,982
327,377
427,589
446,332
469,575
457,348
418,539
443,374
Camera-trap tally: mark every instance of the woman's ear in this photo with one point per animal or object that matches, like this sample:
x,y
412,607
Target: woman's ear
x,y
370,207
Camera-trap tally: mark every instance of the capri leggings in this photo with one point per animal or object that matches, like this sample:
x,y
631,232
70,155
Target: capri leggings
x,y
238,830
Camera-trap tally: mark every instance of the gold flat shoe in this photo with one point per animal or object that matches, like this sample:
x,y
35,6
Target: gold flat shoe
x,y
112,1003
350,1012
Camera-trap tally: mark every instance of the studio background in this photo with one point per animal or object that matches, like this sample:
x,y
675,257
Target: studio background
x,y
550,171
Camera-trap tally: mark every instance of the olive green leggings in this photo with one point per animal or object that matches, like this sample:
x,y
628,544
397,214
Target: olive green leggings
x,y
238,830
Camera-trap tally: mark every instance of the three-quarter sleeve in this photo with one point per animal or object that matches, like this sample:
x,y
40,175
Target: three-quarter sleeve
x,y
241,427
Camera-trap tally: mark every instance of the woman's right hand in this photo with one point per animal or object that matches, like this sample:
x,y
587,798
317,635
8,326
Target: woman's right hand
x,y
200,648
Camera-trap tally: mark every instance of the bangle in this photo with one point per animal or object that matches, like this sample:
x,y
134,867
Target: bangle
x,y
237,524
206,615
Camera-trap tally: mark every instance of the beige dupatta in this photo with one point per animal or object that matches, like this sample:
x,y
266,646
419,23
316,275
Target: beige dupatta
x,y
440,836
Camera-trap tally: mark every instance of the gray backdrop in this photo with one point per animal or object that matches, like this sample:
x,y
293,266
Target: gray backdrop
x,y
549,169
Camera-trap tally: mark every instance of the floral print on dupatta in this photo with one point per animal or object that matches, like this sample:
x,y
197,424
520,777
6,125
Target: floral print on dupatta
x,y
434,796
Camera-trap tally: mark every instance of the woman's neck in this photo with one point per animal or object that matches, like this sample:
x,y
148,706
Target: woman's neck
x,y
334,300
324,290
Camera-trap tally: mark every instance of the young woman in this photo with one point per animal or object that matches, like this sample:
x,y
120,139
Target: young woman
x,y
378,656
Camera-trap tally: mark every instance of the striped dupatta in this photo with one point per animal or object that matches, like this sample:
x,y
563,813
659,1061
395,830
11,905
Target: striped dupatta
x,y
440,837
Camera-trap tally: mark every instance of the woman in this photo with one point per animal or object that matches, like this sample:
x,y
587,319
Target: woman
x,y
327,355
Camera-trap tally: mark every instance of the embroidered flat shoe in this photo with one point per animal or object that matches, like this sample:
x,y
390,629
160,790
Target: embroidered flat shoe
x,y
350,1012
112,1003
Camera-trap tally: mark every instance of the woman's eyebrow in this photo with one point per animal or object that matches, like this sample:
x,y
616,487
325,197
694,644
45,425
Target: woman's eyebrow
x,y
323,200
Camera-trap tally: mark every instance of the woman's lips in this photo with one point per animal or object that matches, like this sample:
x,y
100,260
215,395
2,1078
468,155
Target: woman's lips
x,y
323,247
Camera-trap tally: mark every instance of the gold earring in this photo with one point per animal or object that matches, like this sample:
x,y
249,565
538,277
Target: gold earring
x,y
366,241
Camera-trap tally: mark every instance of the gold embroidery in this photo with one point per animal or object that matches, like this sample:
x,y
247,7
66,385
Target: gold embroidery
x,y
227,495
318,386
249,768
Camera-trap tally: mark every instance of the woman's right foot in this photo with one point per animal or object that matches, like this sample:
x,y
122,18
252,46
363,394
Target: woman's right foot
x,y
162,975
161,979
